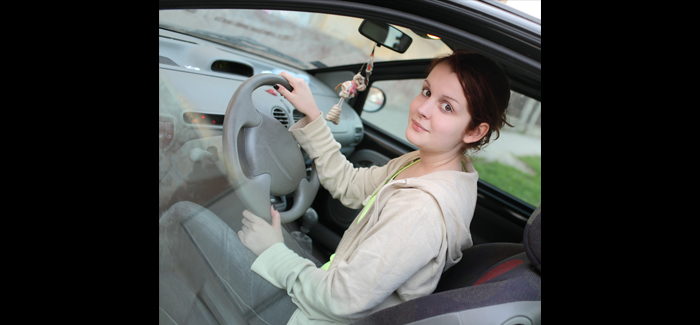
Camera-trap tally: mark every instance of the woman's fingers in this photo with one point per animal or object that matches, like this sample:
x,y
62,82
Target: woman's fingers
x,y
258,235
289,78
293,82
251,217
275,222
247,224
282,90
300,96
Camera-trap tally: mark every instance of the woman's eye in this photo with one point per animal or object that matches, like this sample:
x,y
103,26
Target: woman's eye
x,y
426,92
446,107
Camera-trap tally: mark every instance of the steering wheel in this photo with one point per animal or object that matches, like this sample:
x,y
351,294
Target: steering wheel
x,y
262,157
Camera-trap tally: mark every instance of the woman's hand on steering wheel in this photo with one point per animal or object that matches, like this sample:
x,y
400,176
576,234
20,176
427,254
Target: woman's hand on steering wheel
x,y
300,96
257,235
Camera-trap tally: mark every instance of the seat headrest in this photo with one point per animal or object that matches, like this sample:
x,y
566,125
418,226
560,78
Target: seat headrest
x,y
532,238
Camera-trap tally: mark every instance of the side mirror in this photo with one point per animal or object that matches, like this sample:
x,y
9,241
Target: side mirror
x,y
385,34
376,99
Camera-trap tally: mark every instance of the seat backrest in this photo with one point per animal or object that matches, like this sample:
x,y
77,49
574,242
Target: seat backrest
x,y
533,238
499,282
475,261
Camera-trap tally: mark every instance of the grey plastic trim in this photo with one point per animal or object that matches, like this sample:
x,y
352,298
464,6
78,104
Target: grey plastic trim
x,y
520,312
333,78
164,318
369,155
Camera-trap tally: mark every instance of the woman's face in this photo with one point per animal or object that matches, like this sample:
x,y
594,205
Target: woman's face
x,y
438,116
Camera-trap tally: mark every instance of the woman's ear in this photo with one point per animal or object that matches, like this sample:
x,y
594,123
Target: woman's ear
x,y
476,134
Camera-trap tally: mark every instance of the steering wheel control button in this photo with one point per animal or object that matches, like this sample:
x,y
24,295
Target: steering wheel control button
x,y
168,133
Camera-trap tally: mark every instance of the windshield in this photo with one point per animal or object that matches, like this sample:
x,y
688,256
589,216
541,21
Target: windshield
x,y
308,40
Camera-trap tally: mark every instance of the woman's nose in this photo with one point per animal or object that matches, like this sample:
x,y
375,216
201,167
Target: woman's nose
x,y
424,109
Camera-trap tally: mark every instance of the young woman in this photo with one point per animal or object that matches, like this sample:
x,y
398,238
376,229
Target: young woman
x,y
417,208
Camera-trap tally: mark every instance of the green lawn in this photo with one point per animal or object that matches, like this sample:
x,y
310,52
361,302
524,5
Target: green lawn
x,y
521,185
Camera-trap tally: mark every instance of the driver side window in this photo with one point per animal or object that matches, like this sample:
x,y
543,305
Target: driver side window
x,y
513,162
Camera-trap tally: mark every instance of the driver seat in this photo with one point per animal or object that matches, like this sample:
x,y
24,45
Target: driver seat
x,y
496,283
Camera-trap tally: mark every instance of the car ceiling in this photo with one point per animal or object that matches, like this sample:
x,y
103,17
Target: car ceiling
x,y
473,25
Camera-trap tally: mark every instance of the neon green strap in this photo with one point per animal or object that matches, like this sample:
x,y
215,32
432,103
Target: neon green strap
x,y
371,200
325,266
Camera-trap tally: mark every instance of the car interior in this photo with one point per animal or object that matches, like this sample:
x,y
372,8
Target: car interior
x,y
224,146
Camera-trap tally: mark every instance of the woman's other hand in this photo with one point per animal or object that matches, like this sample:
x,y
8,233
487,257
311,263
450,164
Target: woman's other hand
x,y
300,96
257,234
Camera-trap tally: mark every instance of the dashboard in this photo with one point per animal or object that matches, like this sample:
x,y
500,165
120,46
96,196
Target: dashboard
x,y
196,81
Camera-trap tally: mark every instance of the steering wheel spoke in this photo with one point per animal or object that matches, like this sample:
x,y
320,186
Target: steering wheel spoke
x,y
250,193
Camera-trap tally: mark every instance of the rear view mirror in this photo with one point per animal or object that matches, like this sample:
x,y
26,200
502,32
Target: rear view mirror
x,y
385,34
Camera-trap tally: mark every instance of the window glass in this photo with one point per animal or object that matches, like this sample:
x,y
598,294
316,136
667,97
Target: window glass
x,y
398,95
303,39
512,163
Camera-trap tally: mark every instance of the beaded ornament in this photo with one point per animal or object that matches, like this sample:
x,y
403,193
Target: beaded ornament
x,y
350,88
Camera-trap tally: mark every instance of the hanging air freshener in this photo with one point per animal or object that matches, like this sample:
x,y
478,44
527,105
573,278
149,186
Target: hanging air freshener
x,y
370,65
350,88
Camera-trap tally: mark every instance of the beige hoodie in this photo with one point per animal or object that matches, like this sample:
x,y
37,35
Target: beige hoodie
x,y
415,230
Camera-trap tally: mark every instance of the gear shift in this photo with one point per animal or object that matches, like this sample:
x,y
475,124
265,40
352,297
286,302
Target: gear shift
x,y
308,220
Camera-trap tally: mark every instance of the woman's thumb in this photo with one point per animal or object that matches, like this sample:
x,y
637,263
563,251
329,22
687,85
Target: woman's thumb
x,y
275,218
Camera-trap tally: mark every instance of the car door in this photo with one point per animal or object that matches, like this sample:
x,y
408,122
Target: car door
x,y
500,215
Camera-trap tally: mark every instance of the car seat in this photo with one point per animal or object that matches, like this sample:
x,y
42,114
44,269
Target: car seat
x,y
194,266
496,283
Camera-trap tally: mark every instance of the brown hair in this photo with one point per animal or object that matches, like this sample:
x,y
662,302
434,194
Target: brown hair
x,y
486,88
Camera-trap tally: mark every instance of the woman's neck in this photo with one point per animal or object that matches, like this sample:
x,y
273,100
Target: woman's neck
x,y
432,163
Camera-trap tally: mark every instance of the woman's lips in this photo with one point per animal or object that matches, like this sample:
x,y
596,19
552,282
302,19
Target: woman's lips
x,y
418,127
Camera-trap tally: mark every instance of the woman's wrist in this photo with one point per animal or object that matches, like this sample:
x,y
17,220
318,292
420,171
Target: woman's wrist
x,y
313,116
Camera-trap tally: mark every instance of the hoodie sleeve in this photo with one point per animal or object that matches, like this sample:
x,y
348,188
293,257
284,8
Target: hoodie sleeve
x,y
405,241
348,184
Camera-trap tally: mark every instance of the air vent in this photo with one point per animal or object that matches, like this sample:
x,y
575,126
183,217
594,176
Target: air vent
x,y
298,116
279,114
232,67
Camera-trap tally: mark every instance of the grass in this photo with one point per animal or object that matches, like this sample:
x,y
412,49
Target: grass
x,y
509,179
